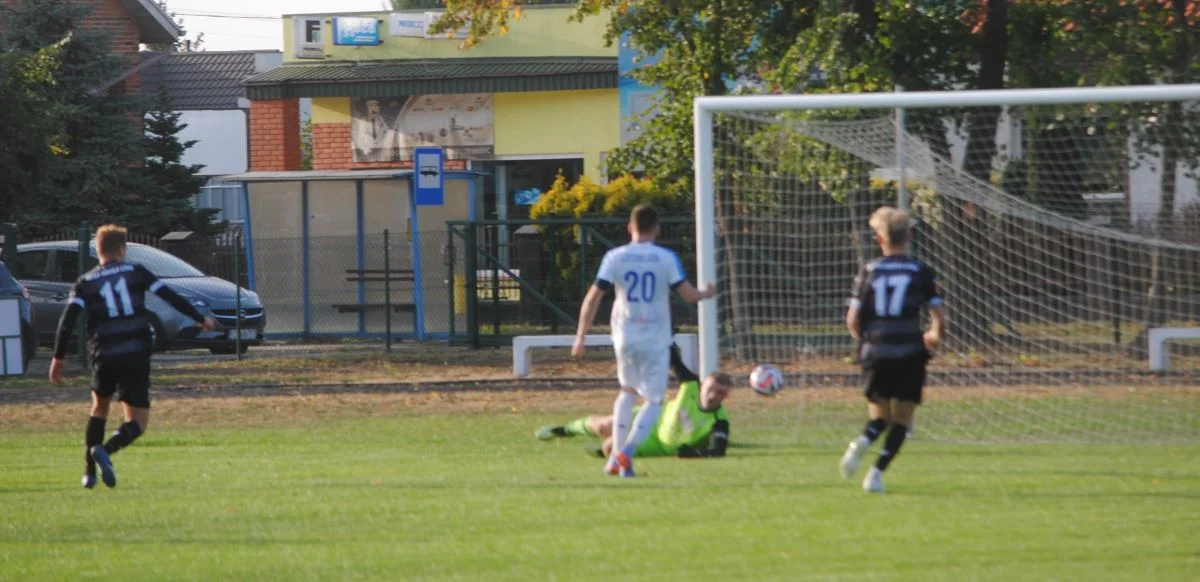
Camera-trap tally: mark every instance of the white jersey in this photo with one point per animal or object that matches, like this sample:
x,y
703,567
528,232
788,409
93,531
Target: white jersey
x,y
643,275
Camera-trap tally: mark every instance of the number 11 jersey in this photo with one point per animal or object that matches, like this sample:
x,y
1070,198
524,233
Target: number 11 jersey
x,y
114,298
890,292
643,275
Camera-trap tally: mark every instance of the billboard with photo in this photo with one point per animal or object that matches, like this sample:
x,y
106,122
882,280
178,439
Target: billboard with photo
x,y
386,129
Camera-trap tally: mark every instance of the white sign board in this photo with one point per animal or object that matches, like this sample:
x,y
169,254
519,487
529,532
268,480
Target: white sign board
x,y
308,37
418,25
11,347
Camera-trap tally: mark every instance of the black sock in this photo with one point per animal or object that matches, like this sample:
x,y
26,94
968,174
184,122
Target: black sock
x,y
123,437
875,427
891,446
92,437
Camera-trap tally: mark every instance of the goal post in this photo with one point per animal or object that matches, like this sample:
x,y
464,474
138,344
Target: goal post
x,y
1002,184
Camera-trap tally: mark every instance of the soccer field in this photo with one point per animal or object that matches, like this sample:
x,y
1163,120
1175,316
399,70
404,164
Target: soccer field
x,y
454,486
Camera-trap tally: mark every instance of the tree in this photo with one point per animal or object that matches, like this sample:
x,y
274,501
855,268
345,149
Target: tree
x,y
95,174
32,125
169,188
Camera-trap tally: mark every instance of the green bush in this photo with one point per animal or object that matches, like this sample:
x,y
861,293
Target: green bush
x,y
588,200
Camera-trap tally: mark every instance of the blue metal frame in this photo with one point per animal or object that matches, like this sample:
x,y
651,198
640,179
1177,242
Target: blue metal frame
x,y
248,235
361,249
471,194
418,279
304,261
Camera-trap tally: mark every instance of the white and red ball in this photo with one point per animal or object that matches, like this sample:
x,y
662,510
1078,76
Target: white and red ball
x,y
766,380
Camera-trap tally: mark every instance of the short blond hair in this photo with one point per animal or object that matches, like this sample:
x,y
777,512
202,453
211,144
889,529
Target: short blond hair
x,y
892,225
111,239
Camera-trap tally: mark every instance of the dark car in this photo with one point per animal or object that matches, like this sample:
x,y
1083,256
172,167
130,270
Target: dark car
x,y
11,289
49,269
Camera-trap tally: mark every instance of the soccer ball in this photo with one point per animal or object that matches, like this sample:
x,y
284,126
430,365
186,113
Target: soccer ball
x,y
766,380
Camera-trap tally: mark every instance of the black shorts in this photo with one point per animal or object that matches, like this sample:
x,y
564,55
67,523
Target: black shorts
x,y
128,378
898,379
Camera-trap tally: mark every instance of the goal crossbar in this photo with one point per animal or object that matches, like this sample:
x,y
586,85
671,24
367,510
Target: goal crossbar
x,y
706,107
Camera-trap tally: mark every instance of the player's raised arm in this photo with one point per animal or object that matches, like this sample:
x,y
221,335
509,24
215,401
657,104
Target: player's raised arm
x,y
591,303
66,325
937,310
685,289
857,292
157,287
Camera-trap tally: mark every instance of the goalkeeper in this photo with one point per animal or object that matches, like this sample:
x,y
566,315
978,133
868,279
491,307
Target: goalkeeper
x,y
692,425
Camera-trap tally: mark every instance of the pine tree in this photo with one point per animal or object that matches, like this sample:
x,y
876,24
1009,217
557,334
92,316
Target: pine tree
x,y
169,187
97,173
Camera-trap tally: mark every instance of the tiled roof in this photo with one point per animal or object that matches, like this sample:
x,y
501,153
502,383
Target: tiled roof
x,y
200,80
437,76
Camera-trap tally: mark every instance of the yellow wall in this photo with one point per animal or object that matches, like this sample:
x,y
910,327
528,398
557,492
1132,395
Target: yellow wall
x,y
559,122
539,32
551,123
331,110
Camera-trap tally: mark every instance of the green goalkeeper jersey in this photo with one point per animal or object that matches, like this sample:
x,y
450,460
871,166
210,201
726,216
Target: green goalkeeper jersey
x,y
684,423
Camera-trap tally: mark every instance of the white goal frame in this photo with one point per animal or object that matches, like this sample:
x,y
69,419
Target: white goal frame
x,y
705,107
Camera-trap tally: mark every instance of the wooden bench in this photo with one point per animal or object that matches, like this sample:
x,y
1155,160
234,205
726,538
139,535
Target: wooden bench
x,y
377,276
689,348
1160,354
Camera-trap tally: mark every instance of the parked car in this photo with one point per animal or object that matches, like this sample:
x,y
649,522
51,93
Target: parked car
x,y
49,269
9,289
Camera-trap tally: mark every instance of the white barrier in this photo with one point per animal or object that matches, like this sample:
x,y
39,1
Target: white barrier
x,y
689,348
1160,355
12,349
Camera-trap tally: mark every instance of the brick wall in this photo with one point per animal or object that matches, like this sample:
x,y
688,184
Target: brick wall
x,y
275,135
332,151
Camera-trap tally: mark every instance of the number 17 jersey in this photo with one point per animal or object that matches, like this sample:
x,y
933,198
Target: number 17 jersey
x,y
643,275
890,292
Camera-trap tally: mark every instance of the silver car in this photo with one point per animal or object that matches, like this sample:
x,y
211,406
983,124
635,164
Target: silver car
x,y
49,269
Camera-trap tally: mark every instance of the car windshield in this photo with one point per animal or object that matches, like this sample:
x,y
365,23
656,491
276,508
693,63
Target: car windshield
x,y
163,265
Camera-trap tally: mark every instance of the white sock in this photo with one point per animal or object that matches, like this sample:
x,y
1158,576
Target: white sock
x,y
622,414
647,419
862,442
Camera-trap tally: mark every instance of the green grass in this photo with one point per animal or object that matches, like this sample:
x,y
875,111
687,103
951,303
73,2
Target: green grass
x,y
476,497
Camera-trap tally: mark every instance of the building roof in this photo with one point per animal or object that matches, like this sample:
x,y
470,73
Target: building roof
x,y
434,76
155,25
200,80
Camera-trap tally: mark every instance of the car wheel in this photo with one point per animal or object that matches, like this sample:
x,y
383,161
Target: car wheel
x,y
158,336
227,350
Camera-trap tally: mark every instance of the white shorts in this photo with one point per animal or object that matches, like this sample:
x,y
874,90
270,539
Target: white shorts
x,y
645,371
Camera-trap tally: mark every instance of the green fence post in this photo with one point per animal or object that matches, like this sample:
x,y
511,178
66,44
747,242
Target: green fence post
x,y
387,288
237,310
496,283
472,294
12,238
583,272
550,276
84,236
450,283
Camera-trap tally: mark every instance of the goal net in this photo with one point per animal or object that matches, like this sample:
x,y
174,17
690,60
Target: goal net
x,y
1062,225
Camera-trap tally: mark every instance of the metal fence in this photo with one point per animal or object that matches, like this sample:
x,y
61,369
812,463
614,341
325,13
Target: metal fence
x,y
530,276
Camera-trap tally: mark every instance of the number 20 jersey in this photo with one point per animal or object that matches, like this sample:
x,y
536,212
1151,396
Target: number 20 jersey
x,y
642,275
890,292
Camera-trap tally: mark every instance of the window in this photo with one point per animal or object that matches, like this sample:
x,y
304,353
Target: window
x,y
163,265
30,265
66,266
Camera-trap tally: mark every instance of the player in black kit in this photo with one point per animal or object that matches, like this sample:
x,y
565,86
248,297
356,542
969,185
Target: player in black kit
x,y
885,317
119,340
